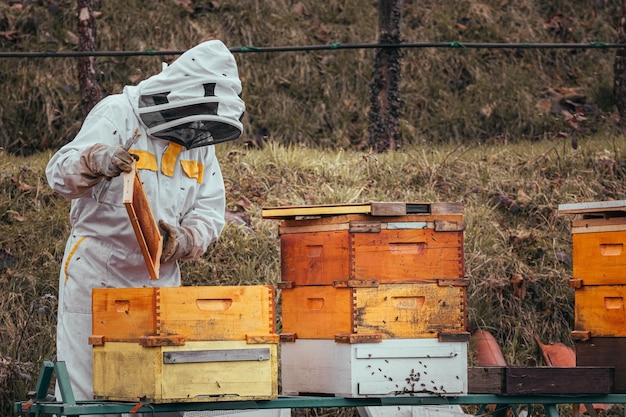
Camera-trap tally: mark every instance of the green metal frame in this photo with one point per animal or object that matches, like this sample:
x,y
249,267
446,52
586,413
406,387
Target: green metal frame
x,y
41,403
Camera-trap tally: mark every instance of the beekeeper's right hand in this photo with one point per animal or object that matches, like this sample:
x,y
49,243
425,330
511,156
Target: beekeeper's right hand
x,y
102,160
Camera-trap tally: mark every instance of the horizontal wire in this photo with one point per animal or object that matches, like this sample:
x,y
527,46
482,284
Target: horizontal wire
x,y
333,46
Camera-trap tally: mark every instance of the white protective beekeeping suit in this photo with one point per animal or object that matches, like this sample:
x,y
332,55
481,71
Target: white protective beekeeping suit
x,y
193,103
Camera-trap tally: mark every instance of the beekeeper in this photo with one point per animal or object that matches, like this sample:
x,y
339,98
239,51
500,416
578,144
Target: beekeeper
x,y
178,115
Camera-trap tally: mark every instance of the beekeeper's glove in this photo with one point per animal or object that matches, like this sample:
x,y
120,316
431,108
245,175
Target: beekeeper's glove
x,y
102,160
177,242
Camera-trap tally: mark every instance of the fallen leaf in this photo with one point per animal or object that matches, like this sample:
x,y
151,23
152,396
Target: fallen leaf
x,y
519,285
16,216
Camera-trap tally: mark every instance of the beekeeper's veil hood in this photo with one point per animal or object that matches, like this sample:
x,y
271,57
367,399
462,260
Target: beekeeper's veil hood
x,y
196,100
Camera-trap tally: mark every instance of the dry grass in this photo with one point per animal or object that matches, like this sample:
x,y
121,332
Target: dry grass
x,y
479,128
510,191
321,98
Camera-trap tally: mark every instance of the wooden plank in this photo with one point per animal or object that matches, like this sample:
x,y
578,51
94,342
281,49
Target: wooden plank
x,y
446,208
448,226
314,210
486,380
310,229
559,380
358,338
217,355
591,207
376,209
458,336
162,340
611,224
599,229
581,335
254,339
604,352
388,209
369,226
365,227
142,220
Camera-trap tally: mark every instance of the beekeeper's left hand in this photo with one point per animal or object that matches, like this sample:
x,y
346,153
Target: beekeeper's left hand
x,y
177,242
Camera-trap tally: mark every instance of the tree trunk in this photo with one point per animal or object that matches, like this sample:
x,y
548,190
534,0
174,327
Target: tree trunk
x,y
90,90
619,68
384,132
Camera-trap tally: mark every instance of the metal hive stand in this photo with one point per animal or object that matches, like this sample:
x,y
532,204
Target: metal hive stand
x,y
42,403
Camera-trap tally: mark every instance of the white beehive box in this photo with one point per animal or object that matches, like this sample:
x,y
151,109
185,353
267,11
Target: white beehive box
x,y
393,367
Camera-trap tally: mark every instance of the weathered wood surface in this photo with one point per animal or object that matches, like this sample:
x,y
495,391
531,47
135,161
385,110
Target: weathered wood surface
x,y
593,207
604,352
387,255
599,258
393,367
195,313
391,310
128,371
540,380
558,380
600,310
143,222
378,209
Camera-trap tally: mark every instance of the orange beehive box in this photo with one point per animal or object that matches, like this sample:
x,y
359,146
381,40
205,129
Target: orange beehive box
x,y
599,311
598,242
412,310
387,244
194,313
599,258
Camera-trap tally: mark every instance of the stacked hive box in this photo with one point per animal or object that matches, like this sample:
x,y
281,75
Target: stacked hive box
x,y
599,282
184,344
373,299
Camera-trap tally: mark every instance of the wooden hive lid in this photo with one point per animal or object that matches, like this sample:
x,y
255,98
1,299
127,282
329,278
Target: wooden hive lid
x,y
371,208
594,208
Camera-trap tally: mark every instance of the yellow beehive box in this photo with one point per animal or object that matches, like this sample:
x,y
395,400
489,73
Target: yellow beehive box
x,y
194,372
412,310
195,313
385,242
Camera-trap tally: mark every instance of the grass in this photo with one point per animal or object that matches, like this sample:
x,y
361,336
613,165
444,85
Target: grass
x,y
481,127
510,191
321,98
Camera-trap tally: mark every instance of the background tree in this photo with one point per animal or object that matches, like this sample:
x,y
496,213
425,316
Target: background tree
x,y
90,90
384,132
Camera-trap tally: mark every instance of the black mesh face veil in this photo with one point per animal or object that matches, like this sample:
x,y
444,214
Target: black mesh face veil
x,y
199,133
